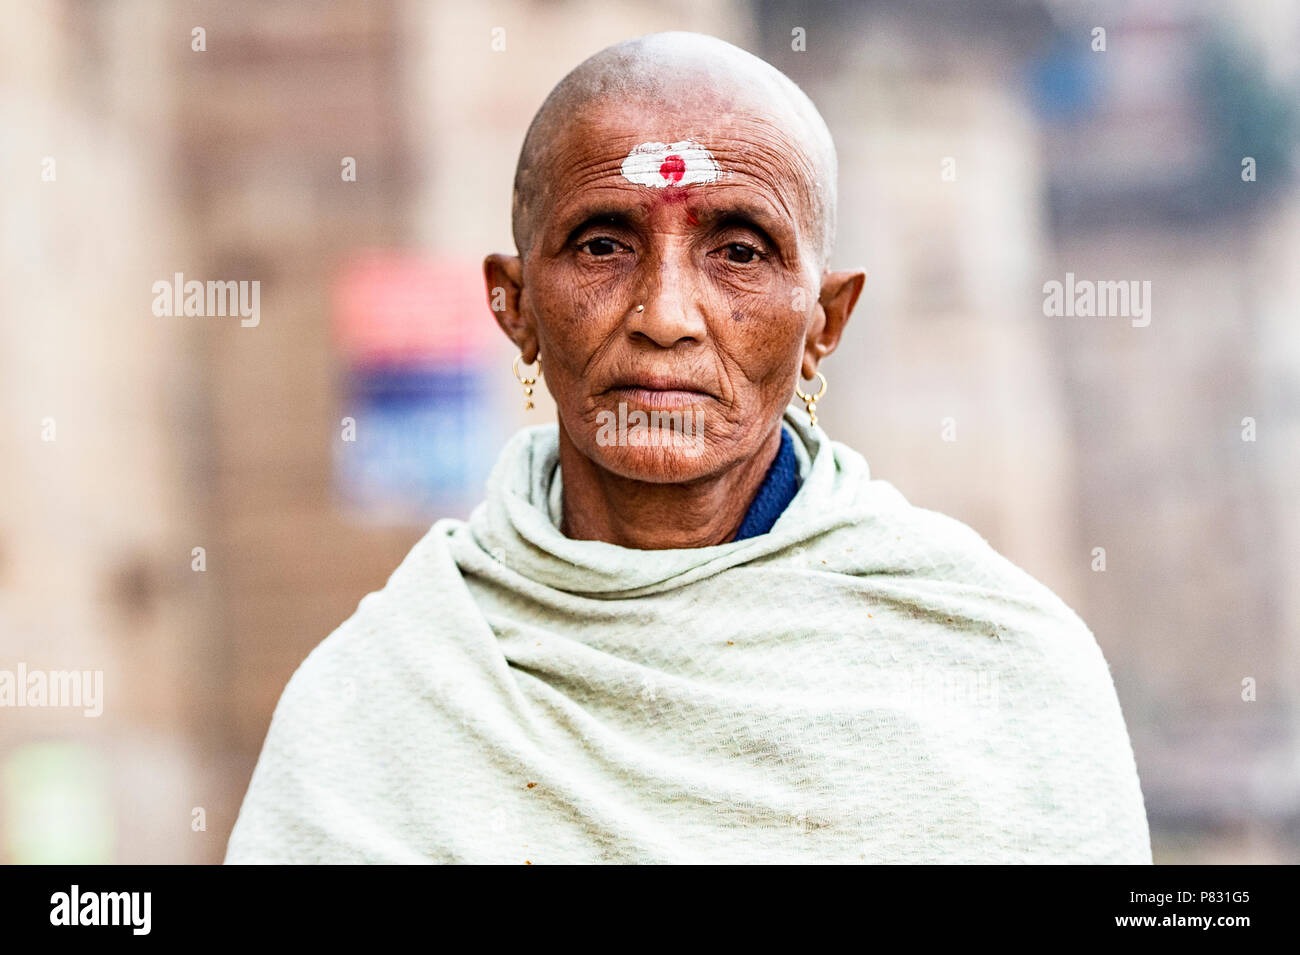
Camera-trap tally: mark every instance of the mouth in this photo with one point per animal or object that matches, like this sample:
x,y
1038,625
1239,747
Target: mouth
x,y
659,391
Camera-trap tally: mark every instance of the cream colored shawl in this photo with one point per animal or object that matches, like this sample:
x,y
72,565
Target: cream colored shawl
x,y
868,682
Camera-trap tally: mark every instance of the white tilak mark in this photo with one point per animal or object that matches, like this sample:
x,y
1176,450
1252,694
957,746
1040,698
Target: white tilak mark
x,y
658,165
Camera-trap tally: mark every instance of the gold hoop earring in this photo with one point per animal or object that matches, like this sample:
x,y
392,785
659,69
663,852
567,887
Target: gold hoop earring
x,y
810,401
528,382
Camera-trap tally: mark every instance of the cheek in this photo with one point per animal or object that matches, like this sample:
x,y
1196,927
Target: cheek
x,y
764,333
567,306
574,321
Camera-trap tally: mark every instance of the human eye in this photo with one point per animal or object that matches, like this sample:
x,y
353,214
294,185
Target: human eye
x,y
741,252
601,246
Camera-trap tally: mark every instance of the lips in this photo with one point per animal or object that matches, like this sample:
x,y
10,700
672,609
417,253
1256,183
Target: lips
x,y
660,391
659,383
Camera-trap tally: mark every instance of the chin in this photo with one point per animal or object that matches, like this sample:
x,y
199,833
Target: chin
x,y
660,438
678,442
656,464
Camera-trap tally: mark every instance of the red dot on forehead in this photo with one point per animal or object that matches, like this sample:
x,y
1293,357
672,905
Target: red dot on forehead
x,y
673,168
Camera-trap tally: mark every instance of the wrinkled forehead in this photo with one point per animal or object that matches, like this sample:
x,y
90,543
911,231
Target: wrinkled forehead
x,y
705,150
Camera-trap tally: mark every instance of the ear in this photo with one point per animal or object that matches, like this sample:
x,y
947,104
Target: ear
x,y
840,291
504,275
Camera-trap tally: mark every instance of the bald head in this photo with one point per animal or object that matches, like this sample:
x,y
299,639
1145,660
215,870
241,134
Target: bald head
x,y
699,79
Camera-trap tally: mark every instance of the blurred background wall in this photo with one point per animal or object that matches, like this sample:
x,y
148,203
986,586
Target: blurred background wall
x,y
189,504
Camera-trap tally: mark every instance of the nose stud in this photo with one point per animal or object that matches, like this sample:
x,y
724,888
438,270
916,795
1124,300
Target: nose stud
x,y
640,308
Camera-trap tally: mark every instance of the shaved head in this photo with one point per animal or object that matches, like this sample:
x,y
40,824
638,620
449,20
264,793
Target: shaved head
x,y
694,78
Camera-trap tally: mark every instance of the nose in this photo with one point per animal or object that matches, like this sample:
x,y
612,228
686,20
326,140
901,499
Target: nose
x,y
671,312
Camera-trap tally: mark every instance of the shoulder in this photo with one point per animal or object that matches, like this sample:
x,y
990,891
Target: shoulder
x,y
382,631
329,751
933,562
930,544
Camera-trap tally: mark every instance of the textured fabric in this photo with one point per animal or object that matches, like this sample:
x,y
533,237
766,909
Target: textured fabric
x,y
867,682
778,489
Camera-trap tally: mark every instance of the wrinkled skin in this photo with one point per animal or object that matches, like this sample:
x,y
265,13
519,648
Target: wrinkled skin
x,y
736,305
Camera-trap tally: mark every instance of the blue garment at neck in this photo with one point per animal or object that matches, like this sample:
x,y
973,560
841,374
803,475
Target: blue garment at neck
x,y
774,494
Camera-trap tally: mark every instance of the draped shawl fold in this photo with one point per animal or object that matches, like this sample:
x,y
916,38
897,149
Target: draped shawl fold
x,y
867,682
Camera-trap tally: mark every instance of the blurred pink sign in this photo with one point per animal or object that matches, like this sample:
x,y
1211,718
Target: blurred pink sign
x,y
399,307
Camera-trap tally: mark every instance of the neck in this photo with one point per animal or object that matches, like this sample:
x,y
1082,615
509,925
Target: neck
x,y
643,515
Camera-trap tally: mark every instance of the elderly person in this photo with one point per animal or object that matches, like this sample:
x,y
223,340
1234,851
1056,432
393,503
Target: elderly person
x,y
686,625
